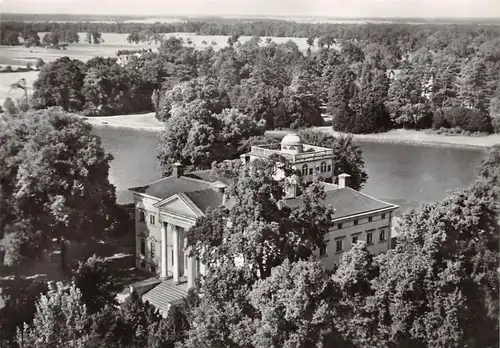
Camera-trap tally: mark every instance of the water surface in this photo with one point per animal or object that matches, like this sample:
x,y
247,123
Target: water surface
x,y
398,173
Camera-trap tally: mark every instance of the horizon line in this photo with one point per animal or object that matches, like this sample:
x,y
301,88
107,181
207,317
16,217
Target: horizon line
x,y
242,15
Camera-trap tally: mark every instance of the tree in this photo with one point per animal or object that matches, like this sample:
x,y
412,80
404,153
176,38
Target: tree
x,y
94,280
407,100
351,52
295,306
111,89
197,138
20,296
347,156
94,36
60,320
54,181
10,37
10,107
141,318
39,63
470,120
200,89
31,38
259,230
341,89
22,85
134,37
223,315
71,36
444,86
59,84
355,316
367,112
170,331
473,91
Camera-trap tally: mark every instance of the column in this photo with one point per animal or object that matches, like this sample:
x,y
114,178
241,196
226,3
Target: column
x,y
175,244
191,271
163,251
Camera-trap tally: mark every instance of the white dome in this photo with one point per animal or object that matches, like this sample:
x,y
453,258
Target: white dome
x,y
291,139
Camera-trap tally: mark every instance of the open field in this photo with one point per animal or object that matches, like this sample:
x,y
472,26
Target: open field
x,y
20,56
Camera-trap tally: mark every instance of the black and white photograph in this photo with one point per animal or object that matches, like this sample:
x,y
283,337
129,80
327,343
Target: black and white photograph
x,y
249,174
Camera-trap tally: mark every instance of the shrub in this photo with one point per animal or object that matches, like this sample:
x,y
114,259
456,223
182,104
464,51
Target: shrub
x,y
372,119
439,120
39,63
471,120
8,68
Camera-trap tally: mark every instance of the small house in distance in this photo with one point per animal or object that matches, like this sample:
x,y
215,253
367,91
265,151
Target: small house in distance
x,y
167,208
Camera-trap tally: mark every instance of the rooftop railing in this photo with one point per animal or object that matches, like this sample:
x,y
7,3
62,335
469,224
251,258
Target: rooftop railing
x,y
310,152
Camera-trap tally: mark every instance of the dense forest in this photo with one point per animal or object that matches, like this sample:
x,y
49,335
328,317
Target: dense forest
x,y
370,77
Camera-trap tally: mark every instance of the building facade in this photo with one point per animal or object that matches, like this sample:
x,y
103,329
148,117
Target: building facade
x,y
358,217
167,208
311,161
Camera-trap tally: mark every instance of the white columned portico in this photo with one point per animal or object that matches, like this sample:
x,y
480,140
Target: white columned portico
x,y
164,255
175,244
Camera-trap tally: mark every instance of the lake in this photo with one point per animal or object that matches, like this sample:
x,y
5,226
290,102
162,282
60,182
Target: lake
x,y
403,174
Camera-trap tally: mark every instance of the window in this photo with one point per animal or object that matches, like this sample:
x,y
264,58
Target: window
x,y
329,167
383,216
370,219
152,269
382,235
152,219
152,250
354,239
355,222
143,265
338,246
322,250
369,238
311,171
323,167
304,169
142,216
172,257
339,226
143,246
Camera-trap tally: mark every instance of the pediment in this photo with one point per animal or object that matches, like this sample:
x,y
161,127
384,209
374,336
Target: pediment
x,y
179,205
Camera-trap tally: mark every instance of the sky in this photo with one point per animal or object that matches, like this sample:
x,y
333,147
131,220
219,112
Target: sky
x,y
332,8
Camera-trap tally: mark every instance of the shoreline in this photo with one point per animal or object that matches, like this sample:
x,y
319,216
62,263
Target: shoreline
x,y
148,122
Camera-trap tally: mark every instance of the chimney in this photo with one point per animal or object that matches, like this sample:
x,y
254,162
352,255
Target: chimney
x,y
221,188
344,180
177,170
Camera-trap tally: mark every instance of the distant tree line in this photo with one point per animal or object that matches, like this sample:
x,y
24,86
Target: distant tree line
x,y
407,36
31,38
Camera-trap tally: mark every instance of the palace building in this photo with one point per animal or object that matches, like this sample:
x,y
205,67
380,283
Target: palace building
x,y
167,208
